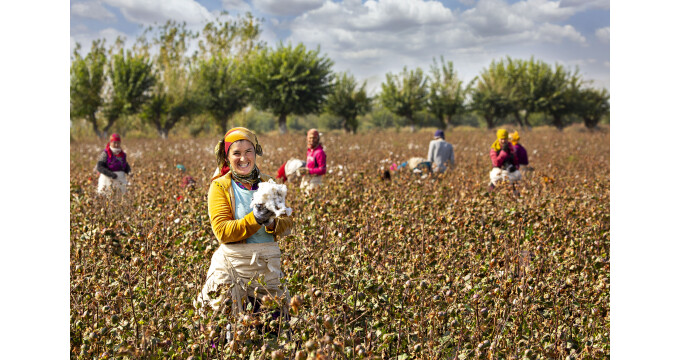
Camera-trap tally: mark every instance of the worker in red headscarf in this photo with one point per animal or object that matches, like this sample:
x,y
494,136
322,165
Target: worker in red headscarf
x,y
113,166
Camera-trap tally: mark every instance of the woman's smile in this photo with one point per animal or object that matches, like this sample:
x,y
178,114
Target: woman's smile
x,y
242,157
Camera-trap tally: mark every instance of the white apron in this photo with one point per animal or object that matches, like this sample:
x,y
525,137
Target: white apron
x,y
106,184
497,174
239,264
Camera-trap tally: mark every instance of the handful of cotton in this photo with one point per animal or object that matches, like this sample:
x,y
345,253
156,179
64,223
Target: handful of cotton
x,y
272,196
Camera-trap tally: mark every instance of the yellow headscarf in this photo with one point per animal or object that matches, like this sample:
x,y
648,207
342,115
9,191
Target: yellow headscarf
x,y
514,138
233,135
500,134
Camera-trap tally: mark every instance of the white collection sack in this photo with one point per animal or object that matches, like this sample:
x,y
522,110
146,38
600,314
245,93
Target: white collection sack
x,y
107,184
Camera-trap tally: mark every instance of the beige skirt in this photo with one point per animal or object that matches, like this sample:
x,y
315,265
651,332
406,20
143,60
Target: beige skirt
x,y
241,270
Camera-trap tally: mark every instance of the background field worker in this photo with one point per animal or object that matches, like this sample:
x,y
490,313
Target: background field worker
x,y
520,152
289,170
247,236
440,153
113,167
505,163
316,162
417,165
187,182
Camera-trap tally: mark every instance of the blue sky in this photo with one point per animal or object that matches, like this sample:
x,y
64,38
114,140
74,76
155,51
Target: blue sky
x,y
371,38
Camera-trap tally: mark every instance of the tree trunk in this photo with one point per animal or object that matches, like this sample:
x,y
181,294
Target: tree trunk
x,y
590,123
557,121
163,133
447,122
489,121
526,120
518,118
109,124
282,124
411,124
224,124
92,119
170,122
345,125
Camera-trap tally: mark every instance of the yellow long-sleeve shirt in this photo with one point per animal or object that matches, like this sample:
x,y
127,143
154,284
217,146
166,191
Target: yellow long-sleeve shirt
x,y
221,212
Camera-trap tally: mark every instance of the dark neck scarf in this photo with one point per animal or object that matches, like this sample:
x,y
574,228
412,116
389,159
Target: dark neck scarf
x,y
252,178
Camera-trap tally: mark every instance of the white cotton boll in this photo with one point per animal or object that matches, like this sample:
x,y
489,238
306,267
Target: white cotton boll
x,y
273,197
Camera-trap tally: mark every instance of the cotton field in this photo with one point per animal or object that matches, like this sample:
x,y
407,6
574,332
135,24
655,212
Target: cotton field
x,y
415,267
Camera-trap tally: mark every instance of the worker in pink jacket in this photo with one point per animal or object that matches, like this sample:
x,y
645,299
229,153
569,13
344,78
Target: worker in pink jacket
x,y
316,162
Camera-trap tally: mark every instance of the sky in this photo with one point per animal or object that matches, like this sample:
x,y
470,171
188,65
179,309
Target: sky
x,y
371,38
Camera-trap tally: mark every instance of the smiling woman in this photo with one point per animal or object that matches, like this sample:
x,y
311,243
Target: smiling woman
x,y
249,248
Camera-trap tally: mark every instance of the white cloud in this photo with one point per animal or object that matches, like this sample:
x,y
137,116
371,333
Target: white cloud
x,y
495,17
351,25
542,10
582,5
159,11
92,10
395,15
603,34
555,34
498,18
378,36
352,30
239,5
288,7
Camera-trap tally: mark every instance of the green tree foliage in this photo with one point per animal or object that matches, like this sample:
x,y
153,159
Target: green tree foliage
x,y
222,88
534,89
517,95
447,93
405,94
220,71
131,79
174,96
381,118
562,95
592,106
87,81
348,102
289,80
230,38
493,96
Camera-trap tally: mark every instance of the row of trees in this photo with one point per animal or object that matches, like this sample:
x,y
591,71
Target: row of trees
x,y
160,83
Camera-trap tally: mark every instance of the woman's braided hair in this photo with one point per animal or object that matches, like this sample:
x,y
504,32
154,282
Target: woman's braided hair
x,y
220,153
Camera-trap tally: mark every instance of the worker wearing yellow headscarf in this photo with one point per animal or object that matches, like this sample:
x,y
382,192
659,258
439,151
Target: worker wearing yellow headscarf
x,y
504,161
248,236
520,152
501,135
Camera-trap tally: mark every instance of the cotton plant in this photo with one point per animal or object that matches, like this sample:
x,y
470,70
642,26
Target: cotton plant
x,y
273,197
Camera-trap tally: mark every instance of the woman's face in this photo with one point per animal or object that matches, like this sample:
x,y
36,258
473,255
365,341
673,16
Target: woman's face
x,y
312,140
502,142
242,157
115,144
